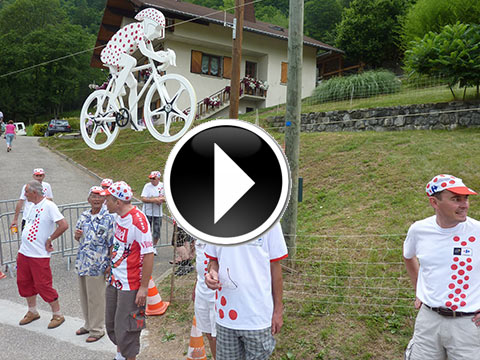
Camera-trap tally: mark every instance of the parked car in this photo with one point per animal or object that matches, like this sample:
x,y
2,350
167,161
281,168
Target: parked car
x,y
20,128
57,126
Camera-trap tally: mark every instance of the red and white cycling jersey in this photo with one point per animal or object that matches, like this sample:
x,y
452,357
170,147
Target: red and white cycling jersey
x,y
132,240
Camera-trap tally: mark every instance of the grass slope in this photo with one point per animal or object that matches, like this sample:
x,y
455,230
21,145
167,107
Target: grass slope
x,y
348,296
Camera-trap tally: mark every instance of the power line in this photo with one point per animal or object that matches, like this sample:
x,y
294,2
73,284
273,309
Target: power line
x,y
101,46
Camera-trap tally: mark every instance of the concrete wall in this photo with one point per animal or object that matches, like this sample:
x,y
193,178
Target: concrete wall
x,y
446,116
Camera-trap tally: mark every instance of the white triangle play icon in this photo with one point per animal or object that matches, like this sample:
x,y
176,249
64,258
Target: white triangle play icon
x,y
230,183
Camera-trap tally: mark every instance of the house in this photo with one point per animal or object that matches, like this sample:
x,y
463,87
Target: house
x,y
202,40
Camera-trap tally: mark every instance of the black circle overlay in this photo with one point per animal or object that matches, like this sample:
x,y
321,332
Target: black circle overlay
x,y
192,181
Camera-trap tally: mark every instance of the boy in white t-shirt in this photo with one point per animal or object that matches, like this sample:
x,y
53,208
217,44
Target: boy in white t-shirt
x,y
441,253
39,175
249,289
153,196
204,298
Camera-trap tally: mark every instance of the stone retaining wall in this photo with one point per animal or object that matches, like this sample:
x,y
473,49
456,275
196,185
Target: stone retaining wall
x,y
413,117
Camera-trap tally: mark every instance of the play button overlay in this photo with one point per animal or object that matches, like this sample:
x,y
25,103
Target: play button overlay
x,y
227,182
230,183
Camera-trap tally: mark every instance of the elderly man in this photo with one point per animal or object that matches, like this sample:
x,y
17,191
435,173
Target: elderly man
x,y
43,224
249,289
94,231
153,196
446,280
39,175
132,264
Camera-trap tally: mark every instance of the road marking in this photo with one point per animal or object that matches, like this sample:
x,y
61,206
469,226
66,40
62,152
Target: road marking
x,y
13,312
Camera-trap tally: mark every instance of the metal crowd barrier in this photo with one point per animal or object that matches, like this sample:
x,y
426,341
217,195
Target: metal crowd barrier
x,y
66,245
7,205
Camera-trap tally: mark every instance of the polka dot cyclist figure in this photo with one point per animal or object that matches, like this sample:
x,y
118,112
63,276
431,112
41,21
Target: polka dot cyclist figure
x,y
117,54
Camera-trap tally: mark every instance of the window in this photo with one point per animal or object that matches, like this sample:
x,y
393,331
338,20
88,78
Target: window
x,y
251,69
210,64
284,75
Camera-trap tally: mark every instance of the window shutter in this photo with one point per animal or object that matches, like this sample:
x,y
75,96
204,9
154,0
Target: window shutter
x,y
196,63
284,77
227,67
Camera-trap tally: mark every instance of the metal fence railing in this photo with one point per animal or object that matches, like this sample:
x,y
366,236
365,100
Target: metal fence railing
x,y
67,246
7,205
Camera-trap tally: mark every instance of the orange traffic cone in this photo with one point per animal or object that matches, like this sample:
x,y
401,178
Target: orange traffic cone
x,y
196,350
155,305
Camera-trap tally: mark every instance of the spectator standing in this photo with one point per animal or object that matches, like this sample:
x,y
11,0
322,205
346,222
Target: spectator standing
x,y
249,289
442,257
132,264
10,134
153,196
39,175
94,231
2,126
43,224
204,298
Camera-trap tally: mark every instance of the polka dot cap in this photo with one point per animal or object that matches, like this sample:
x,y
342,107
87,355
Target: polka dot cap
x,y
38,171
155,174
450,183
106,182
95,190
151,13
120,189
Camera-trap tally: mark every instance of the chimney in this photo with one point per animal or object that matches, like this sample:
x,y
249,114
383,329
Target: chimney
x,y
249,14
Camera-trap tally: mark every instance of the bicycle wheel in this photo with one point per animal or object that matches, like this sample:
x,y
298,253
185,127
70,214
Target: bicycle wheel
x,y
170,107
97,121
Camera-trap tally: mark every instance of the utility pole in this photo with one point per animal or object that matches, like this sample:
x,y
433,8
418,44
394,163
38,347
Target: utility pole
x,y
292,119
236,58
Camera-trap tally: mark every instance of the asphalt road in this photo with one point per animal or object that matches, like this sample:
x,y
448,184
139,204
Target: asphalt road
x,y
70,184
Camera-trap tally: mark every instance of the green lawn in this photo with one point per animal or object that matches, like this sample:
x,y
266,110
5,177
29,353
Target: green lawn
x,y
347,296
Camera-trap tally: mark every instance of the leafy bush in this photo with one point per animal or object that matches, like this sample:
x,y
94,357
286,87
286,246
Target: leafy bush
x,y
433,15
364,85
39,129
74,123
453,53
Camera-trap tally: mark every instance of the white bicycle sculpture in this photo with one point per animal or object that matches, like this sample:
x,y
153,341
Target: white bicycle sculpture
x,y
101,122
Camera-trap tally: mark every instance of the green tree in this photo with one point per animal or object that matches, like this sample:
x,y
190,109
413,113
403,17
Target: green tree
x,y
369,29
25,16
453,53
272,15
30,83
321,18
433,15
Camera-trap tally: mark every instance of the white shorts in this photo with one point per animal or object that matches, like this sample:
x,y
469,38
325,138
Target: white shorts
x,y
205,315
438,337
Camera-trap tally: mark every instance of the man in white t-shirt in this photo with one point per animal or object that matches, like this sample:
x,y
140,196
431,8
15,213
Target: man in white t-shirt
x,y
153,196
442,257
39,175
249,289
43,224
132,264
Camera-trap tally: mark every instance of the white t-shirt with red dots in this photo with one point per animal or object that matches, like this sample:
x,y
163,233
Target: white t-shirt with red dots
x,y
132,240
201,262
244,301
47,192
125,41
449,263
40,222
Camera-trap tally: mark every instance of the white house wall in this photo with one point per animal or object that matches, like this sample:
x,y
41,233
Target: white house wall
x,y
268,52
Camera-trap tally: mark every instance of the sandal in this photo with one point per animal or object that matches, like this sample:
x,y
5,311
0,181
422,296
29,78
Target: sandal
x,y
93,338
81,331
